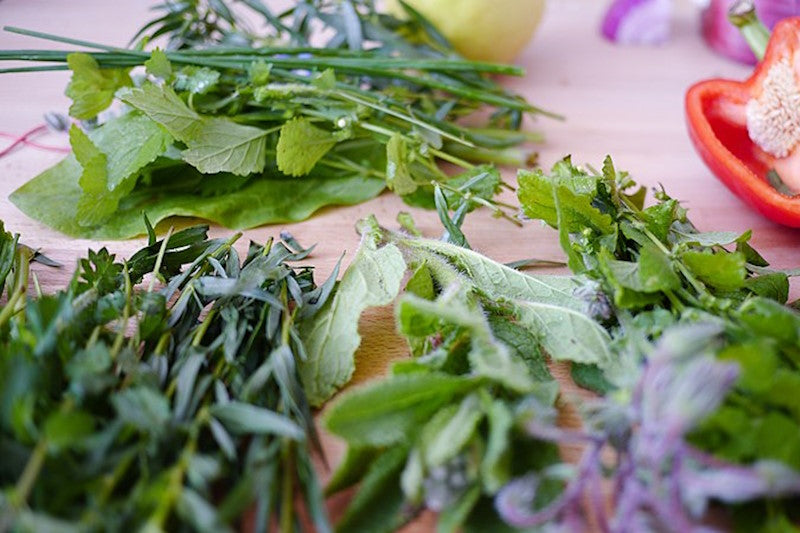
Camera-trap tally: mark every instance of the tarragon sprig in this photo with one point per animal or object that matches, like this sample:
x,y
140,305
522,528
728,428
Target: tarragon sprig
x,y
129,406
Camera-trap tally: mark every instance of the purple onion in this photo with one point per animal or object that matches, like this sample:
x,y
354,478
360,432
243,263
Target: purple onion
x,y
638,21
725,38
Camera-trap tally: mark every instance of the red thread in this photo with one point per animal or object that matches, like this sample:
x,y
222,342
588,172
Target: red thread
x,y
25,140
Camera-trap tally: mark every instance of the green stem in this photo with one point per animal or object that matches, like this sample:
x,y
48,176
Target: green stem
x,y
21,273
159,259
204,325
452,159
126,315
742,14
30,474
287,490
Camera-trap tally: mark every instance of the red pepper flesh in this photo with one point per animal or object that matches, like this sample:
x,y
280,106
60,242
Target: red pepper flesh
x,y
715,111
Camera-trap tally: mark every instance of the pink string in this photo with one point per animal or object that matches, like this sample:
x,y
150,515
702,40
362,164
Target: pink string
x,y
25,140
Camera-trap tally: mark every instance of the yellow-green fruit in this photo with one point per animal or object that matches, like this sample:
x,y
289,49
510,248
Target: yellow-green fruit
x,y
488,30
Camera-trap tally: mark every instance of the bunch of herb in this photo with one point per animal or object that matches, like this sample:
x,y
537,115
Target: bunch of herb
x,y
440,432
245,136
684,334
648,269
124,406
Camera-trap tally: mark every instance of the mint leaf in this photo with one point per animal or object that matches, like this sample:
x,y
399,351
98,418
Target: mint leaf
x,y
92,88
449,430
496,464
378,504
301,145
331,336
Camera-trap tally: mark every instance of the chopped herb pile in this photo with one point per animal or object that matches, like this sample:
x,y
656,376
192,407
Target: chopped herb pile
x,y
244,128
158,409
684,335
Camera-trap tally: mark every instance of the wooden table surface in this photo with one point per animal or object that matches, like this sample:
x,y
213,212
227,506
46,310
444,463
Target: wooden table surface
x,y
623,101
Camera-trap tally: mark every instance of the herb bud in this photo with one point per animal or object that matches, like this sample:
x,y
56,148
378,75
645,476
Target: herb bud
x,y
446,483
596,303
57,122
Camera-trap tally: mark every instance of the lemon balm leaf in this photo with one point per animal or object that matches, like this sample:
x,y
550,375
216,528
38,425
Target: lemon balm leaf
x,y
162,105
92,88
158,65
301,145
213,144
220,145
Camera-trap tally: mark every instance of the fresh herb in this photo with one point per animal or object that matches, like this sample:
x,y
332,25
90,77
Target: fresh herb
x,y
724,419
128,406
244,130
684,334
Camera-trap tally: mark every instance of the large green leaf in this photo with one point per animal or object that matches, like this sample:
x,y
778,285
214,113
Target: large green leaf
x,y
565,334
52,198
331,336
496,280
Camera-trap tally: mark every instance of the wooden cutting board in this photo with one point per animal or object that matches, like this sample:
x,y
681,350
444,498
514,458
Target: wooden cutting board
x,y
623,101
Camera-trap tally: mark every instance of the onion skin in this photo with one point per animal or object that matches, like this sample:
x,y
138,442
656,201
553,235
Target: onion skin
x,y
638,22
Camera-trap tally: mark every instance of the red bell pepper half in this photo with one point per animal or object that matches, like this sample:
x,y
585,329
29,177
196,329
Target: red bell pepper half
x,y
748,133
